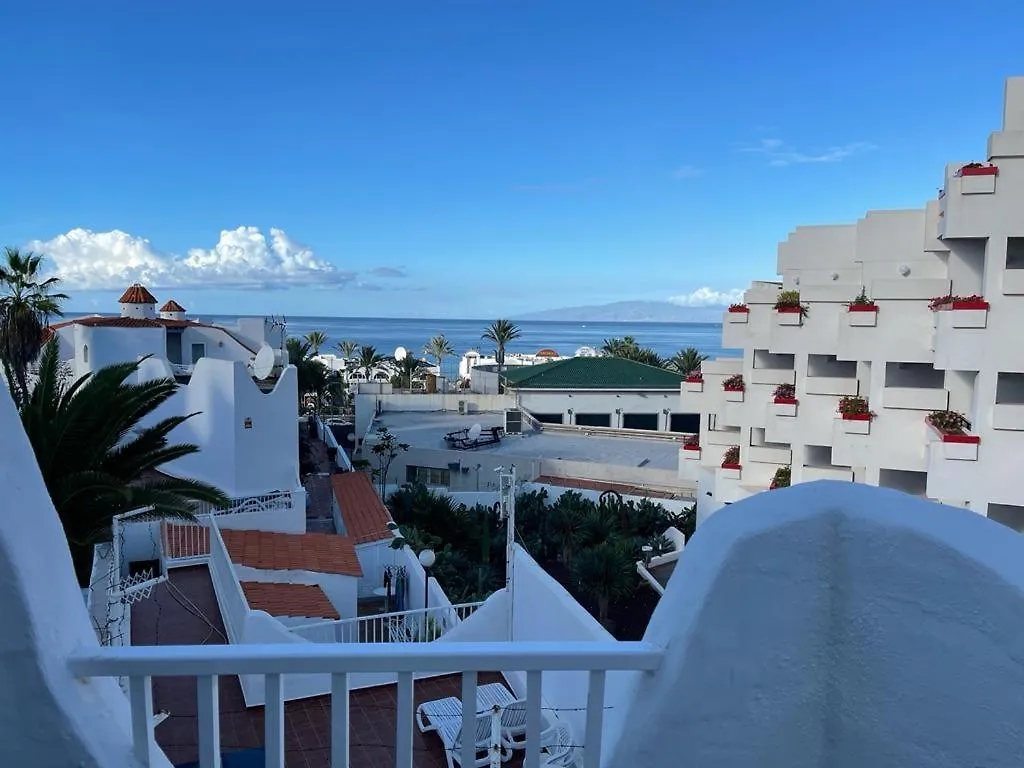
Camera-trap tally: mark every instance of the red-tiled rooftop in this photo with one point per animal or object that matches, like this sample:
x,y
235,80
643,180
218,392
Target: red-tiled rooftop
x,y
317,552
288,599
137,294
362,512
172,306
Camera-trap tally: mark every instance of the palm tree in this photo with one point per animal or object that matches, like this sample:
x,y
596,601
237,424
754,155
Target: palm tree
x,y
407,368
316,339
439,348
298,350
347,348
96,459
501,332
627,348
606,573
25,308
687,361
368,358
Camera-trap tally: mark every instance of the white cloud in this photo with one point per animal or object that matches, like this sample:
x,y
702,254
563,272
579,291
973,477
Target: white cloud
x,y
706,297
388,272
242,258
781,154
686,172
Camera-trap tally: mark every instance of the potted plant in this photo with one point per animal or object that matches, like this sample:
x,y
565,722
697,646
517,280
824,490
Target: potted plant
x,y
734,387
952,428
691,444
856,415
978,169
731,462
738,313
784,400
953,302
862,311
789,308
783,476
694,382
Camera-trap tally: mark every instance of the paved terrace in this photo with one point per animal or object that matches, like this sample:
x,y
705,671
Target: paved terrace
x,y
427,430
183,611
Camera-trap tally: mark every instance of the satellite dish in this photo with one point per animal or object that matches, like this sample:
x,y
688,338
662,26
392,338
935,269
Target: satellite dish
x,y
401,353
264,362
474,431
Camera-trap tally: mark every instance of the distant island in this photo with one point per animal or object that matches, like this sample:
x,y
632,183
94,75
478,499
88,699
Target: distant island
x,y
629,312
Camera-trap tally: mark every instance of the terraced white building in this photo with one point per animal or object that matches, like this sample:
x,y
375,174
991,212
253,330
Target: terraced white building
x,y
903,356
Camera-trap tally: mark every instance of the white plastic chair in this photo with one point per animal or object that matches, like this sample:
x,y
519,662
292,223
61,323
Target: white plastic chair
x,y
557,747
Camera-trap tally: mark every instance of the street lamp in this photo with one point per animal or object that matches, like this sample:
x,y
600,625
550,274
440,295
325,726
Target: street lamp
x,y
427,558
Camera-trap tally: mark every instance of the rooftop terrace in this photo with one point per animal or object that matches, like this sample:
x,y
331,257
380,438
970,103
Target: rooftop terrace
x,y
427,430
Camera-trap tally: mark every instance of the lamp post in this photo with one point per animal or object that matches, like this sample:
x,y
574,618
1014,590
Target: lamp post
x,y
427,559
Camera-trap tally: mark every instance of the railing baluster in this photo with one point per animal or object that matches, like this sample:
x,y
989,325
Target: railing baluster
x,y
533,702
403,722
140,691
274,721
468,757
595,719
208,712
339,720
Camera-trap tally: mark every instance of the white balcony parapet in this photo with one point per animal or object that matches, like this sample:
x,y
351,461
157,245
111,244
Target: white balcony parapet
x,y
415,626
264,502
140,664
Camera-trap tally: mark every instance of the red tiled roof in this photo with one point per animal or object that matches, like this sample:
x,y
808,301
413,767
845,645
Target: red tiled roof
x,y
288,599
137,294
172,306
317,552
116,321
363,513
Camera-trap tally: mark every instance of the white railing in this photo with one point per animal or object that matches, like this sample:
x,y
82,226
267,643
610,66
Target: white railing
x,y
234,608
208,662
416,626
265,502
185,543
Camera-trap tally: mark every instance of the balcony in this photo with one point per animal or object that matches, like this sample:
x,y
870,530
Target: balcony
x,y
1008,411
1009,416
812,473
770,453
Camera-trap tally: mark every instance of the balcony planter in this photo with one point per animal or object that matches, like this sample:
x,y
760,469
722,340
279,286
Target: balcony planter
x,y
951,429
970,311
977,169
734,395
691,452
694,383
782,479
978,179
789,316
738,313
784,406
855,414
731,471
734,386
862,311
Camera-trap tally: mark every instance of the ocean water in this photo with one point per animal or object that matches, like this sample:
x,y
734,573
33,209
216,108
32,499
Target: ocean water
x,y
386,334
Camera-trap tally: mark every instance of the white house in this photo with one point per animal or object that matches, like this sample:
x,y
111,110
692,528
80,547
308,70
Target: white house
x,y
897,353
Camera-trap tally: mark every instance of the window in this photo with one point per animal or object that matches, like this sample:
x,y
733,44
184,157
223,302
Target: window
x,y
594,419
774,362
1010,388
828,366
85,353
548,418
918,375
427,476
1009,515
640,421
1015,253
198,352
685,422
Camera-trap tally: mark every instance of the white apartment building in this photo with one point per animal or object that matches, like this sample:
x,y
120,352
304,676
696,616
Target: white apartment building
x,y
898,353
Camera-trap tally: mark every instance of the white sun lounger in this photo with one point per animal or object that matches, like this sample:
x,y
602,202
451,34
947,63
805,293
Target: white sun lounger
x,y
513,714
444,717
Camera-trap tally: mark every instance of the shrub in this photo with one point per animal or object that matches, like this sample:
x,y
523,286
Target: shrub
x,y
862,300
731,455
940,301
691,441
788,300
738,308
950,422
785,391
852,405
782,478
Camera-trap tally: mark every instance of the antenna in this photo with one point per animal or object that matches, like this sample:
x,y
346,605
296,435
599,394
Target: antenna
x,y
401,353
263,364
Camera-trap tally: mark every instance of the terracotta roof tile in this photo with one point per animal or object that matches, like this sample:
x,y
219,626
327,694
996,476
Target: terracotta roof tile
x,y
172,306
317,552
137,294
362,512
289,599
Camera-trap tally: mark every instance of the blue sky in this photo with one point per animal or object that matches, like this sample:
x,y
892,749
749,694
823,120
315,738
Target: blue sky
x,y
470,158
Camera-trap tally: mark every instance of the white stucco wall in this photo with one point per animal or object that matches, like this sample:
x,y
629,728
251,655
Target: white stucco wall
x,y
836,624
109,346
51,718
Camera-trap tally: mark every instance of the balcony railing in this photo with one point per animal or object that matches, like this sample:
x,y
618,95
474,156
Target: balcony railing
x,y
265,502
415,626
140,664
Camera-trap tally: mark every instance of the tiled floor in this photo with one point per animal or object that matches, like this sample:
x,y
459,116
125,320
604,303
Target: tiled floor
x,y
184,611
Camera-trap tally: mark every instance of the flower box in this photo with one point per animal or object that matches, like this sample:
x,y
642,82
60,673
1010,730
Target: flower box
x,y
856,423
955,444
862,308
784,406
738,316
694,385
980,170
790,315
739,308
731,471
734,395
691,452
862,315
958,305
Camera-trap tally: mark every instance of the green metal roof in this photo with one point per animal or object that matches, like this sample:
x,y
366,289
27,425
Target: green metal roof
x,y
591,373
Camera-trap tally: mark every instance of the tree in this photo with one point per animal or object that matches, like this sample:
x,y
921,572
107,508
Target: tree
x,y
564,521
298,350
687,361
439,348
26,305
96,459
347,348
501,332
407,368
369,359
312,375
384,451
316,339
627,348
606,572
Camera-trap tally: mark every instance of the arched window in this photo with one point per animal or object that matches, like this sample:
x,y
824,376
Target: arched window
x,y
85,353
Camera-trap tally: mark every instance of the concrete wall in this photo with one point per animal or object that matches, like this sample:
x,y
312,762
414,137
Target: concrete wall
x,y
51,718
248,439
868,593
652,402
109,346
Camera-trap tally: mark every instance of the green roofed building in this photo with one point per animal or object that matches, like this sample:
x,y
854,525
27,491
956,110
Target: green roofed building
x,y
601,392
